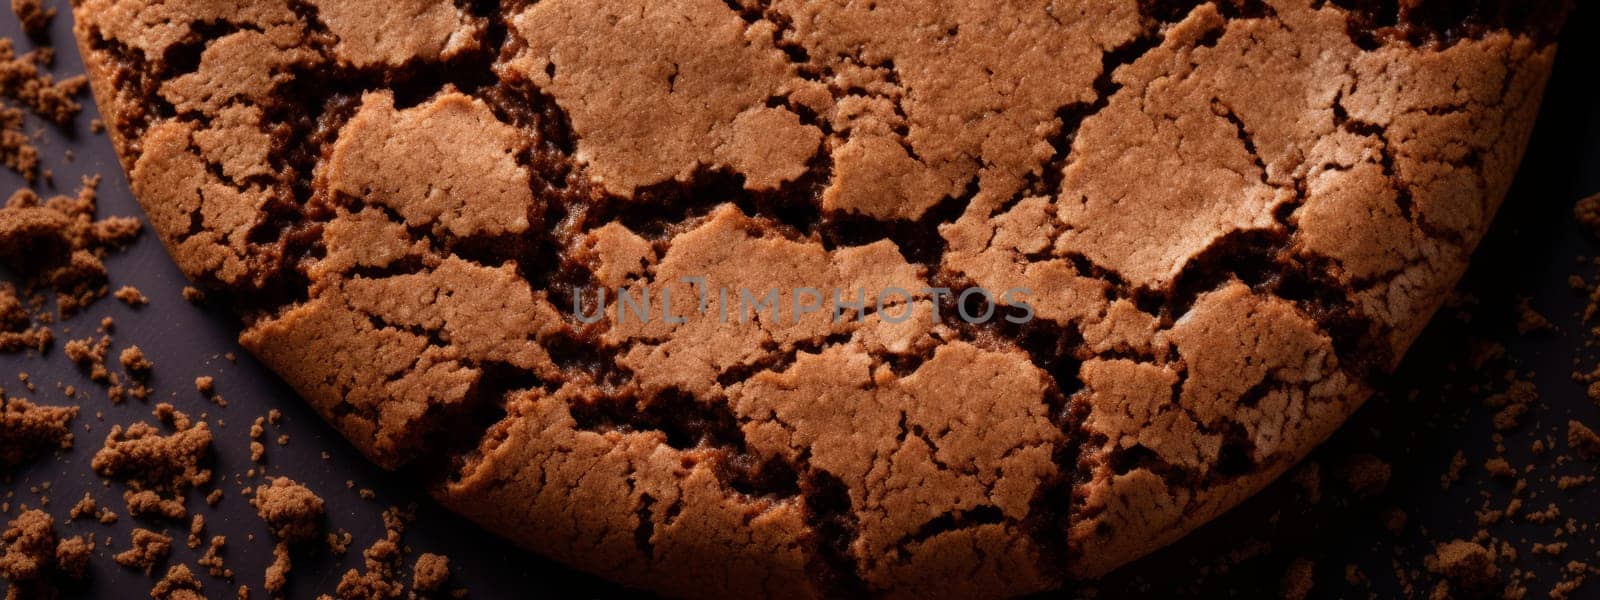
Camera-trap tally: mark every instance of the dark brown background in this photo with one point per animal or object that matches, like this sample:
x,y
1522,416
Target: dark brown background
x,y
1430,409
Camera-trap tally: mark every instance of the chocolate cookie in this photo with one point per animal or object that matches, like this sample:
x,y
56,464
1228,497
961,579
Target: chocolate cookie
x,y
826,299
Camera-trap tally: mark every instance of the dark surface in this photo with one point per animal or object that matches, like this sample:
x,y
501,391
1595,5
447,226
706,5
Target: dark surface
x,y
1430,410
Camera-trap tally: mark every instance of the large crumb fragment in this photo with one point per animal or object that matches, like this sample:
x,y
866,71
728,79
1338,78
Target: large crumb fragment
x,y
35,18
29,544
23,79
178,584
1583,440
17,151
156,468
28,430
212,559
73,554
1587,212
430,572
293,513
56,245
1467,567
134,362
131,296
18,332
381,576
148,549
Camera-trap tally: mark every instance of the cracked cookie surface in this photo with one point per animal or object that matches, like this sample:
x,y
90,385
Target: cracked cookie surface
x,y
1228,217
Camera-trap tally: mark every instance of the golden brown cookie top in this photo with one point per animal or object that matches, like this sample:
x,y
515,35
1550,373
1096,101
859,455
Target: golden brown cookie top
x,y
902,297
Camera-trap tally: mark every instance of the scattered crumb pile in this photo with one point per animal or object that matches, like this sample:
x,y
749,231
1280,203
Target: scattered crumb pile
x,y
53,253
293,513
382,561
23,80
28,430
157,469
34,562
53,245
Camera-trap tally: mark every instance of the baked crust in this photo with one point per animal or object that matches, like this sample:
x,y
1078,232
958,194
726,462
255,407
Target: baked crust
x,y
1229,216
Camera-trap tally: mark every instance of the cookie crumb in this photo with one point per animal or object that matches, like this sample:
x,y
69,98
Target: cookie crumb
x,y
72,555
1587,212
148,549
35,18
56,245
1364,473
178,584
431,572
157,468
135,363
339,541
28,430
131,296
17,151
23,80
1467,567
293,514
197,526
381,561
84,508
1297,580
30,556
1583,440
212,559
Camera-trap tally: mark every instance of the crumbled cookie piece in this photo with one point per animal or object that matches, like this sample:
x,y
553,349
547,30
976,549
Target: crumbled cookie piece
x,y
197,526
17,330
35,18
1364,473
32,561
57,245
29,544
23,79
430,572
293,514
212,559
1583,440
90,356
380,577
178,584
17,151
134,362
73,554
1587,212
131,296
148,548
87,507
1297,580
157,468
28,430
1467,567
